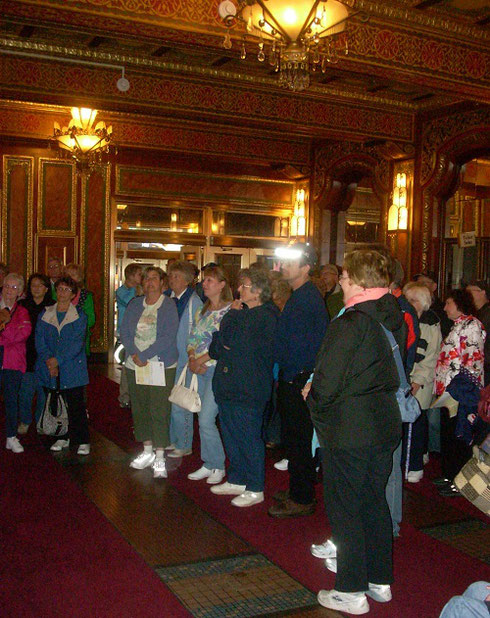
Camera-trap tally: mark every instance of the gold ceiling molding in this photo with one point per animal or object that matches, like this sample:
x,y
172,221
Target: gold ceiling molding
x,y
325,92
430,21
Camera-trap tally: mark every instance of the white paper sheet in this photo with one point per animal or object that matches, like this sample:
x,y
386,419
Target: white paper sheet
x,y
152,374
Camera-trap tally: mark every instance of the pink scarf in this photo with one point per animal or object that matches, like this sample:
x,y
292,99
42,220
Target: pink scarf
x,y
367,294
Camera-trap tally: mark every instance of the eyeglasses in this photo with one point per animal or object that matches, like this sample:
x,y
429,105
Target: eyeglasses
x,y
244,285
7,286
62,288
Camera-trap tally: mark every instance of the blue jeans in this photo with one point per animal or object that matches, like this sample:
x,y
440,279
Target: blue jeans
x,y
471,604
212,452
29,387
242,434
394,490
182,421
11,379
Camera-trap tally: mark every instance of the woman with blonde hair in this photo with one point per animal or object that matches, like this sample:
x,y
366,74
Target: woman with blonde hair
x,y
422,375
84,300
355,412
206,322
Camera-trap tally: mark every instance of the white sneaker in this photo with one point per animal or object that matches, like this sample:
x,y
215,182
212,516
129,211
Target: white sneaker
x,y
228,489
216,476
179,452
415,476
199,475
159,469
170,447
14,445
281,465
324,550
248,498
380,592
350,602
331,564
59,445
83,449
144,460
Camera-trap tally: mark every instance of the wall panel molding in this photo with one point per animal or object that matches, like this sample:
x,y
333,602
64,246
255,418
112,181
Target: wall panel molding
x,y
17,213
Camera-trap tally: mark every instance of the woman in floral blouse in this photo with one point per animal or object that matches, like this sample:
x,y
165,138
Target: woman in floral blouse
x,y
461,350
206,322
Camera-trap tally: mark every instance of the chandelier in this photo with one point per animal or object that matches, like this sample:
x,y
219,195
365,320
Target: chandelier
x,y
297,37
83,142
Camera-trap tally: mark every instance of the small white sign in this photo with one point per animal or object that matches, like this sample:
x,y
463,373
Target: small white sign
x,y
152,374
467,239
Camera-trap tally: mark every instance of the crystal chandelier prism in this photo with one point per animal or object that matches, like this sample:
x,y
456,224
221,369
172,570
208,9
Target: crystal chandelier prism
x,y
297,37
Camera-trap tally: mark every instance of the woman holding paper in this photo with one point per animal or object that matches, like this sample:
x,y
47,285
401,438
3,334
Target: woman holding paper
x,y
149,335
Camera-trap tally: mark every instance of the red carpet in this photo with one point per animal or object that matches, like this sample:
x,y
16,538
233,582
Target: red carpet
x,y
60,556
427,571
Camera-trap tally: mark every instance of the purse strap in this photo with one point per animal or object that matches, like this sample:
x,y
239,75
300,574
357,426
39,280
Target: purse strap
x,y
398,358
193,384
182,376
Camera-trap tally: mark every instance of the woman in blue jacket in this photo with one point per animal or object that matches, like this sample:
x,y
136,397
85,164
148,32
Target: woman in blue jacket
x,y
60,345
242,385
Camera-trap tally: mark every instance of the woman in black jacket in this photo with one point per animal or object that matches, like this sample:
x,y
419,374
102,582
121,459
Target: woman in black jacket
x,y
356,416
38,297
242,385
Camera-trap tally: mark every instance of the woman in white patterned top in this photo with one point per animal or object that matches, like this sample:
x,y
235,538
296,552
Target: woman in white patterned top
x,y
206,322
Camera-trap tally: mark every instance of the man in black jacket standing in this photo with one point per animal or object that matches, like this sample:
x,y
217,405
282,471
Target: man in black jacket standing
x,y
300,331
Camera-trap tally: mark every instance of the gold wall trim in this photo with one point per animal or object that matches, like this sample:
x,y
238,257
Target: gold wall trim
x,y
9,162
71,232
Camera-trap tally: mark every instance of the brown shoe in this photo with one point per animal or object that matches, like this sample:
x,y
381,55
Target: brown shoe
x,y
281,495
290,508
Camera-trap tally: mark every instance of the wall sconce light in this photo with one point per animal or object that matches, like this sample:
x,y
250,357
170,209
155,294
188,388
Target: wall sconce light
x,y
398,213
298,220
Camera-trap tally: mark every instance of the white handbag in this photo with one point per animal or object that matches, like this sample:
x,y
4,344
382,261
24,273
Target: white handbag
x,y
187,398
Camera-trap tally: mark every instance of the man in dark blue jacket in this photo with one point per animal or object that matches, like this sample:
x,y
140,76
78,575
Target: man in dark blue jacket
x,y
300,331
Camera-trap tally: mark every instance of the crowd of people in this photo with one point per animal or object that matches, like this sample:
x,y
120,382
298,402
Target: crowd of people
x,y
44,343
295,357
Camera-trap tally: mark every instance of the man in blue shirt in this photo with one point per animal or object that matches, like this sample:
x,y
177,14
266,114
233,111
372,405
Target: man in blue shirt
x,y
124,295
299,334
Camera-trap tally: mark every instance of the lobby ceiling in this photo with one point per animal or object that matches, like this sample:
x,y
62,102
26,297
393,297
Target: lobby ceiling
x,y
411,55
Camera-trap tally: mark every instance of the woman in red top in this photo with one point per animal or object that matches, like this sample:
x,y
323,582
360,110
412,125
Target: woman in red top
x,y
15,328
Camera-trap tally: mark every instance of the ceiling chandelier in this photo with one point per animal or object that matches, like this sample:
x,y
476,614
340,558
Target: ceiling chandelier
x,y
297,37
83,142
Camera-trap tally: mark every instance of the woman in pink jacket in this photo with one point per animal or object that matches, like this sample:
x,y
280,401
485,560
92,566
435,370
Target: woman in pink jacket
x,y
15,328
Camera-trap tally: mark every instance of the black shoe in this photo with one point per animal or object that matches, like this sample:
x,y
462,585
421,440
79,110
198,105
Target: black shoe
x,y
281,495
450,491
441,482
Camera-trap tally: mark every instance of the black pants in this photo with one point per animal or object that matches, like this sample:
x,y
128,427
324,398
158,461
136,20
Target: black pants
x,y
297,432
354,488
454,452
77,416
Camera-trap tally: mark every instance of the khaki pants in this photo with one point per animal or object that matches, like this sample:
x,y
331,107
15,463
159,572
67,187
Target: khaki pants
x,y
151,409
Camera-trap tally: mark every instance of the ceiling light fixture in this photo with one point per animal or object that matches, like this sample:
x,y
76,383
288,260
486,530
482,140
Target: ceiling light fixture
x,y
83,142
298,36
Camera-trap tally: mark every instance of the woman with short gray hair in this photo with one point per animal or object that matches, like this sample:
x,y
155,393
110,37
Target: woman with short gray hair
x,y
423,373
15,328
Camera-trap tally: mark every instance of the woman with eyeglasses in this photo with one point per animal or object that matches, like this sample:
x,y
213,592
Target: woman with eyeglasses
x,y
62,363
242,385
15,328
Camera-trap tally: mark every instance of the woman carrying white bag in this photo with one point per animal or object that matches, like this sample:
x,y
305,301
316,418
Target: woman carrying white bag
x,y
206,322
